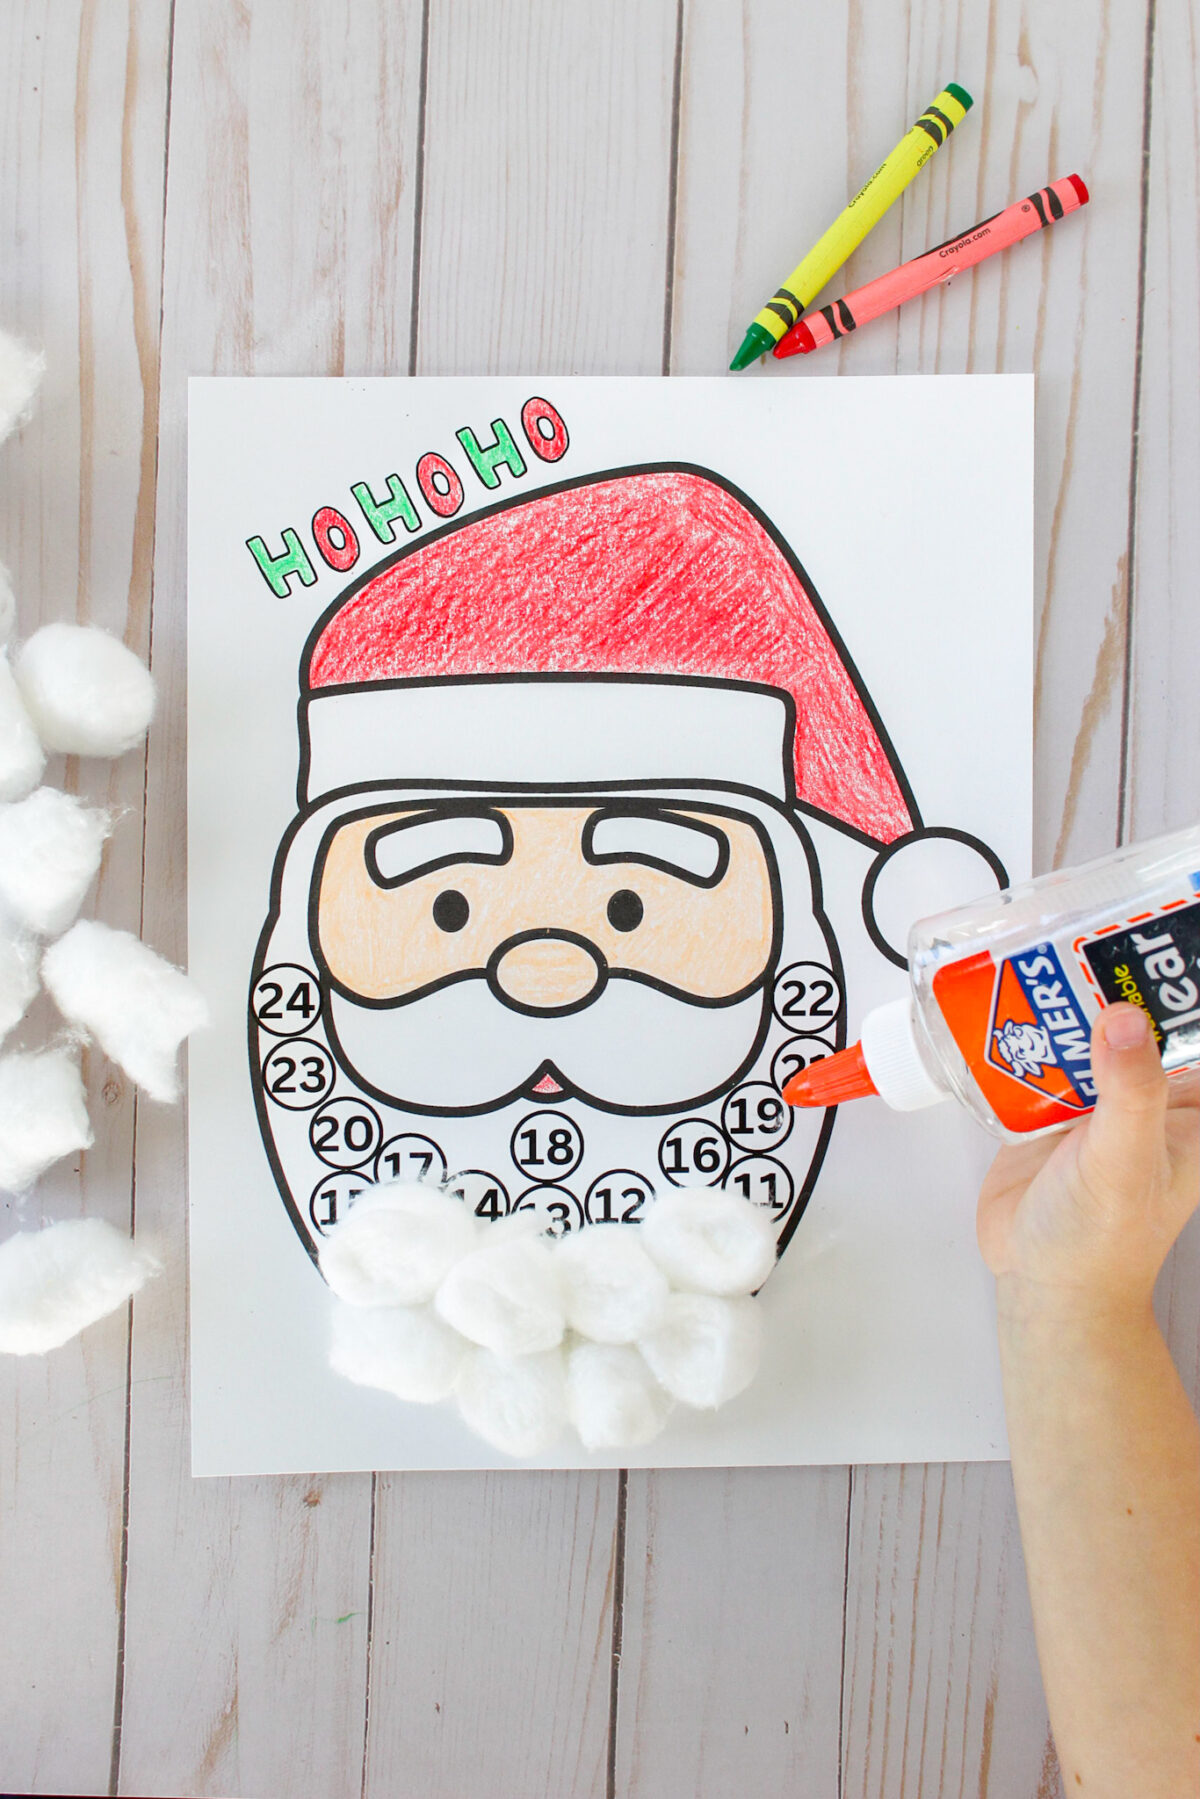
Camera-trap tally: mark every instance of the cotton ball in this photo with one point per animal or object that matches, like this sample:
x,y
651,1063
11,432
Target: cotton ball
x,y
85,692
22,758
42,1114
706,1349
612,1291
613,1399
404,1350
505,1297
55,1281
8,605
18,978
21,370
708,1242
50,846
138,1007
396,1244
518,1406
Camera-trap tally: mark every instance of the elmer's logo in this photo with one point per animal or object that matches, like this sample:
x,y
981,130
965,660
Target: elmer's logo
x,y
1038,1033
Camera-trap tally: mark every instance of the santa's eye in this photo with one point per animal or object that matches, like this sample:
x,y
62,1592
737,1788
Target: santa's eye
x,y
450,910
625,910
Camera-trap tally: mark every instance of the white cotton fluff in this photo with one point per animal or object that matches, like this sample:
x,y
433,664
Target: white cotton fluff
x,y
613,1399
55,1281
22,758
50,848
707,1242
8,605
18,977
506,1297
21,370
518,1406
405,1350
396,1244
706,1349
612,1291
137,1006
43,1114
85,692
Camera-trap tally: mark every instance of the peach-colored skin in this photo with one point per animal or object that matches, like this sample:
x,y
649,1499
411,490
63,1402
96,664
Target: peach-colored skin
x,y
382,943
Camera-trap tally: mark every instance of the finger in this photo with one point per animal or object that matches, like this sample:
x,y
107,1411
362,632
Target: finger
x,y
1124,1140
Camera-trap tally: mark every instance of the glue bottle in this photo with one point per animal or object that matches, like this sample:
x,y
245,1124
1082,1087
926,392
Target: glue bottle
x,y
1004,992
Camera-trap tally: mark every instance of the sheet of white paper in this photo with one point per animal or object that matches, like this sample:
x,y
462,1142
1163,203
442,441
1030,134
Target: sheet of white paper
x,y
656,549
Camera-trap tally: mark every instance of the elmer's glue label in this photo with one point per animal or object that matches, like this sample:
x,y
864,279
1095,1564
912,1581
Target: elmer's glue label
x,y
1005,992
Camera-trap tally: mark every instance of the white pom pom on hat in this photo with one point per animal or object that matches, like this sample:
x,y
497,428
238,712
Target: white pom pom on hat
x,y
517,1405
613,1399
50,848
87,694
612,1291
138,1007
56,1281
404,1350
396,1244
708,1242
42,1114
706,1350
21,371
18,977
22,758
506,1297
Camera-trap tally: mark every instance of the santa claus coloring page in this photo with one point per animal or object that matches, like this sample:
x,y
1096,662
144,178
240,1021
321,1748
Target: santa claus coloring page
x,y
568,758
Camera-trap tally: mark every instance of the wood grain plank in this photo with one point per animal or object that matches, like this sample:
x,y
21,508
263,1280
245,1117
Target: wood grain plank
x,y
1164,674
81,194
288,249
490,1656
731,1653
547,193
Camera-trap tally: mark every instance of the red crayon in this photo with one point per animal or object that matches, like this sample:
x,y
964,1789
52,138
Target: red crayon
x,y
935,266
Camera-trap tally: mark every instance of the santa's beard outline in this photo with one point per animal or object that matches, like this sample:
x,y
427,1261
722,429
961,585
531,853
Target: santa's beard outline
x,y
366,1034
803,931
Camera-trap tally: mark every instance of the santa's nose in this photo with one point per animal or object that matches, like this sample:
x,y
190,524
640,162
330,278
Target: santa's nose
x,y
547,972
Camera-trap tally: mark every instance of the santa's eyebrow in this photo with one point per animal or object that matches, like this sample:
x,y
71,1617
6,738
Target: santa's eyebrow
x,y
688,848
405,848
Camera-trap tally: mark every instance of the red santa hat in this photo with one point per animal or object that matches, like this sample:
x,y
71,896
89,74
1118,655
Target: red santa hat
x,y
671,634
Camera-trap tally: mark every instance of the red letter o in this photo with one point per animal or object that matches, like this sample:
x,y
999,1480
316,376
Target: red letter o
x,y
341,555
544,428
445,497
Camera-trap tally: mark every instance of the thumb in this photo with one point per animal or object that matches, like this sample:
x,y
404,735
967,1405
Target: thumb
x,y
1123,1143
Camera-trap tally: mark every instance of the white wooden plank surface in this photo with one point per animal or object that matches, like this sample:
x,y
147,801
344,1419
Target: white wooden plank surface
x,y
1163,782
84,115
290,183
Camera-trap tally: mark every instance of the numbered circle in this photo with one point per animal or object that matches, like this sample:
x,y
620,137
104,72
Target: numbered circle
x,y
333,1197
345,1133
410,1158
763,1181
298,1074
480,1192
617,1198
547,1146
808,998
286,999
797,1054
693,1153
556,1207
755,1118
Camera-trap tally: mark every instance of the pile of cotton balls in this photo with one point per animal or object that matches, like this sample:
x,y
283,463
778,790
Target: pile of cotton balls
x,y
606,1328
73,690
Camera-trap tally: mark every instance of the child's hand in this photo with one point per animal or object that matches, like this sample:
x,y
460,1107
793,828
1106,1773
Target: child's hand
x,y
1084,1221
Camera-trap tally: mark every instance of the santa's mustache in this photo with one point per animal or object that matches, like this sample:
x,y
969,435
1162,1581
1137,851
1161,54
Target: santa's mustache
x,y
460,1049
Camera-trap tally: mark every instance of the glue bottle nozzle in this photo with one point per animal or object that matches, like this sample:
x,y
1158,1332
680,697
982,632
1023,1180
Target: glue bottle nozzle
x,y
829,1082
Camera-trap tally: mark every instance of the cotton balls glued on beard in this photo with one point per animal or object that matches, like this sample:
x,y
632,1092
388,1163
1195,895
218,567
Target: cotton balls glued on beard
x,y
396,1245
50,849
87,694
137,1006
707,1242
613,1398
403,1350
506,1297
612,1291
706,1350
518,1405
54,1282
43,1114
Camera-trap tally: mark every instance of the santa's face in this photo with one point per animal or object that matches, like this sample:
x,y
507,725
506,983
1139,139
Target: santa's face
x,y
613,950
